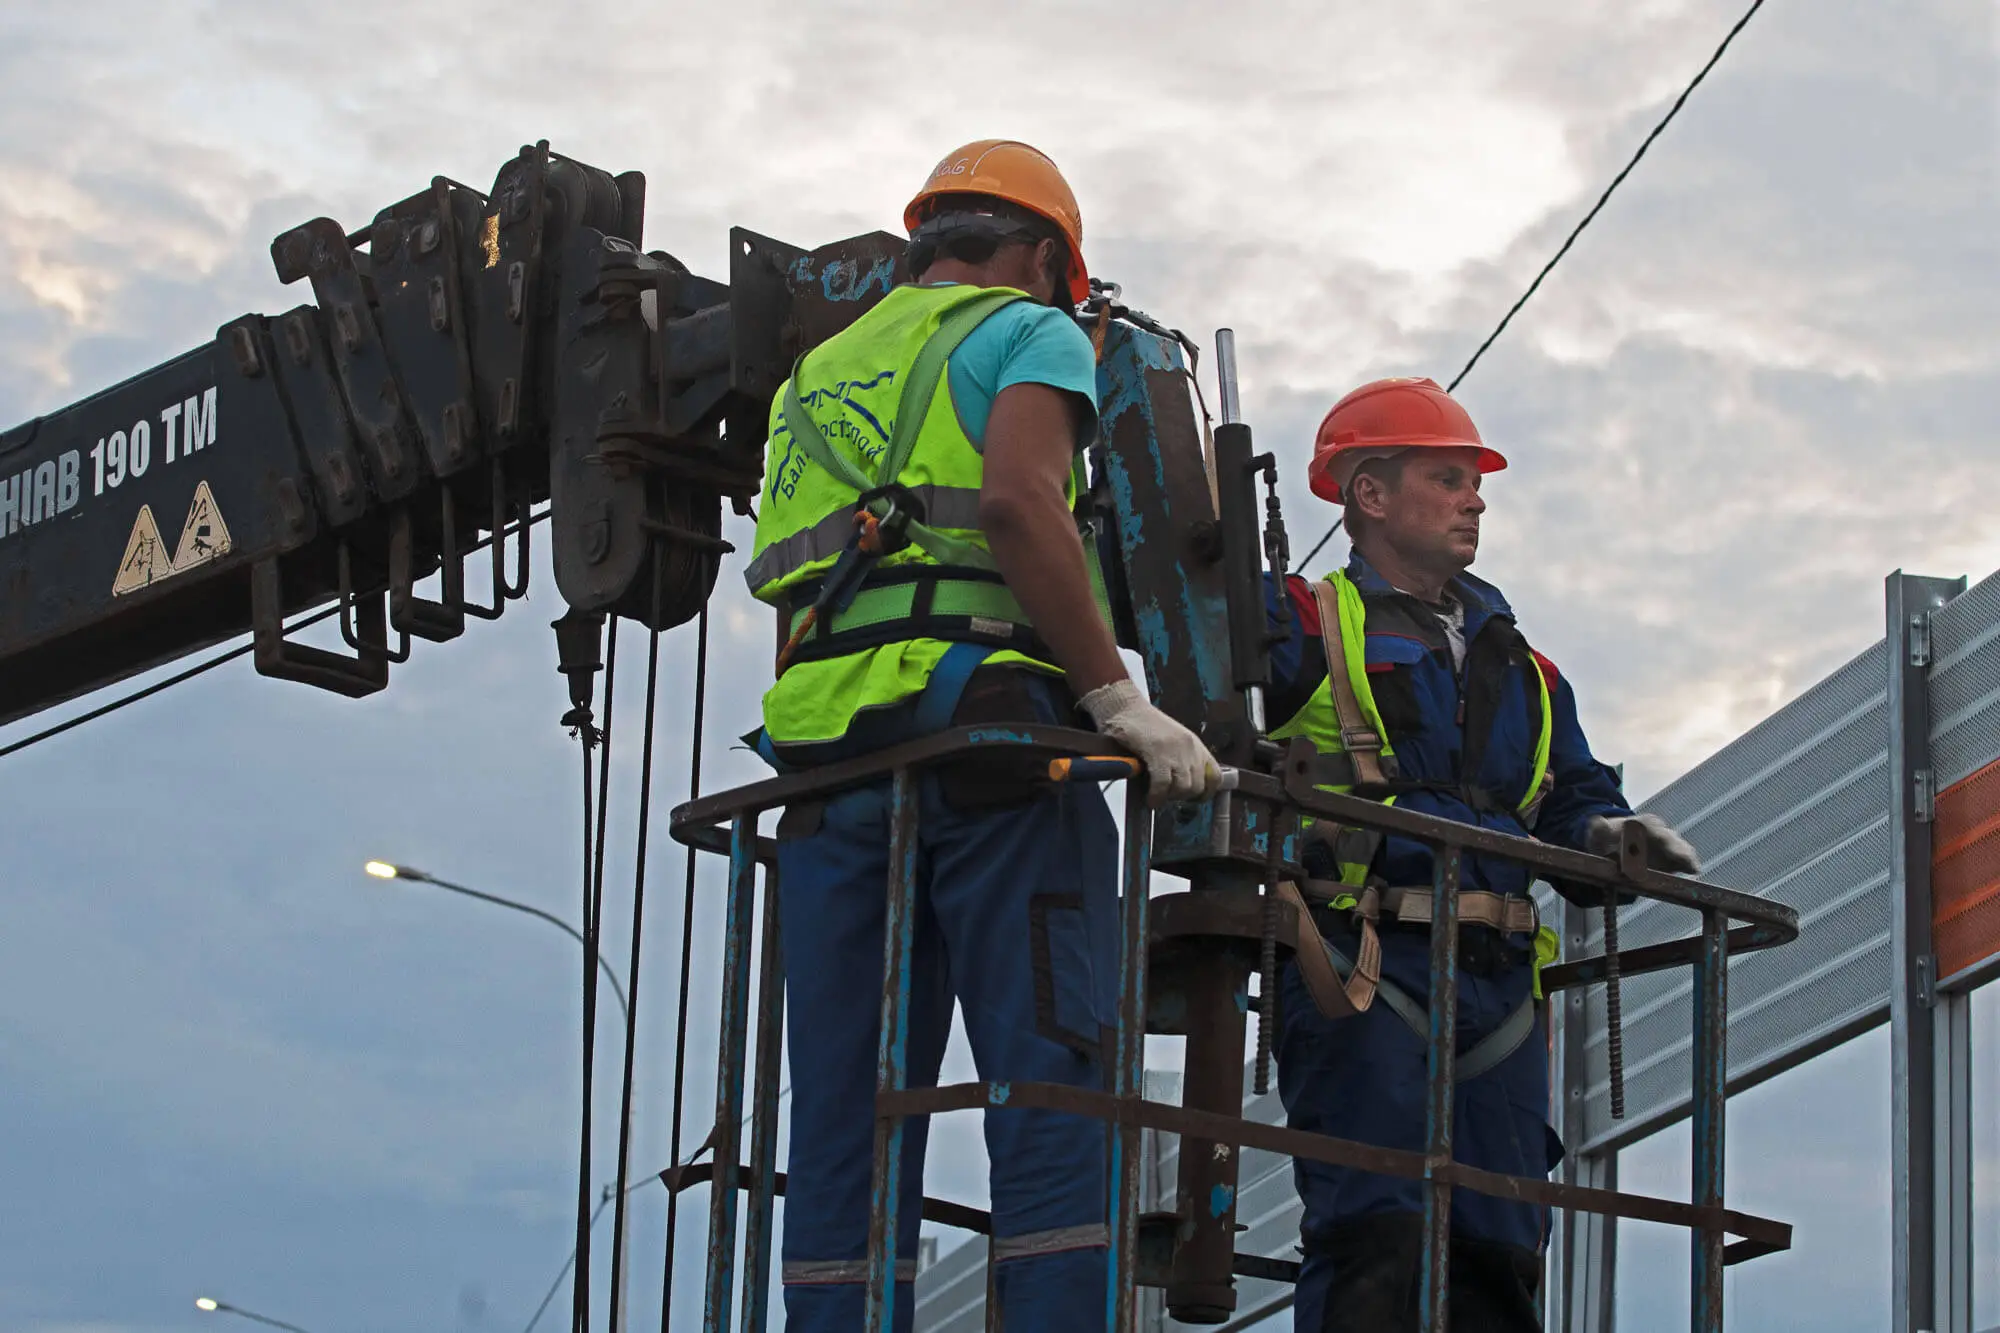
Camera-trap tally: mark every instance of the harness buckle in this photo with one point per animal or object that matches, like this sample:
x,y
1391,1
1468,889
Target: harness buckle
x,y
886,531
1365,739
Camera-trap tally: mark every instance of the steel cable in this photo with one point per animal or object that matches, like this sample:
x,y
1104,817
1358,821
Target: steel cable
x,y
593,903
1588,218
687,961
1604,198
220,659
619,1276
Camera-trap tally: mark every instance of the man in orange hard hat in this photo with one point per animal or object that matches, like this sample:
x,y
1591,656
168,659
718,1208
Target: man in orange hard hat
x,y
1442,707
951,417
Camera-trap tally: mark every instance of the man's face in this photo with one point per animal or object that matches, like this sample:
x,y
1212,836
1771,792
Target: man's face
x,y
1432,518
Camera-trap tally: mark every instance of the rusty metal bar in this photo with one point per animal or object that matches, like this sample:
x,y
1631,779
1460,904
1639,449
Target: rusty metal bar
x,y
816,783
1203,1289
1128,1078
1548,861
1650,958
892,1058
1434,1301
1711,1072
1339,1152
1199,1282
1774,923
727,1135
764,1115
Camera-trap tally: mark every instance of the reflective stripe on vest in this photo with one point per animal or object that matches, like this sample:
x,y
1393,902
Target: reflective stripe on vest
x,y
944,507
1318,722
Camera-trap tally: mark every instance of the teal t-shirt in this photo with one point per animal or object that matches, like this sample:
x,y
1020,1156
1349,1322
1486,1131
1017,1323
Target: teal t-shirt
x,y
1022,343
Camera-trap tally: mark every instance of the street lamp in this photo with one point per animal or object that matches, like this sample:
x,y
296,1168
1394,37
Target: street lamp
x,y
389,870
213,1306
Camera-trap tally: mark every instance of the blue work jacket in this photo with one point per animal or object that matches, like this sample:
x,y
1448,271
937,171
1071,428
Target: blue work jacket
x,y
1420,694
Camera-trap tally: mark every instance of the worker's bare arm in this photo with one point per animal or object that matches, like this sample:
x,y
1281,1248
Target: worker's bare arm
x,y
1030,439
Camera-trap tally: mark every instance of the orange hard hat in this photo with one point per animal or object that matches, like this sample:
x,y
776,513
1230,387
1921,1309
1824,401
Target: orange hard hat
x,y
1386,415
1011,170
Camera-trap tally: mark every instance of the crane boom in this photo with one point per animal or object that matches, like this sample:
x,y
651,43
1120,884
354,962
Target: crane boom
x,y
466,357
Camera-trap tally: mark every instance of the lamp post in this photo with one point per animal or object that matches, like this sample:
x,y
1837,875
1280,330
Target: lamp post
x,y
213,1306
389,870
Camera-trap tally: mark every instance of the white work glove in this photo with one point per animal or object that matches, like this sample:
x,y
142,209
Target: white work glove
x,y
1180,766
1665,849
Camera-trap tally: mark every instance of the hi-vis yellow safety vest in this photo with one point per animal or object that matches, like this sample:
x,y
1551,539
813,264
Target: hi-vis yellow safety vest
x,y
869,408
1344,636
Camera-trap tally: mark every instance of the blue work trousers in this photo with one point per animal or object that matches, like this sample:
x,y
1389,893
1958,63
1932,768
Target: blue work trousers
x,y
1364,1078
1017,918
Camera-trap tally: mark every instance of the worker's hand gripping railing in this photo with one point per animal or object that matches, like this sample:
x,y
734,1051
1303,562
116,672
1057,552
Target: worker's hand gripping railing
x,y
1284,795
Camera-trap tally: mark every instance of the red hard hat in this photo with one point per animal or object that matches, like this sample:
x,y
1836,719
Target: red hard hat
x,y
1398,413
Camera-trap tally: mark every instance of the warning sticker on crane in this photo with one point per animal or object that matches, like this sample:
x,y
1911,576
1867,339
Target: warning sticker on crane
x,y
204,537
146,561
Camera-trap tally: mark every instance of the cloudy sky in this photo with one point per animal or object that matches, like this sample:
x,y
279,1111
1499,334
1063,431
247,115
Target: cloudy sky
x,y
1761,381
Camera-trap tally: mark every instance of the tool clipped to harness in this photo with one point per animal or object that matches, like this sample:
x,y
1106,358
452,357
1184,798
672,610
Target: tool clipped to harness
x,y
881,528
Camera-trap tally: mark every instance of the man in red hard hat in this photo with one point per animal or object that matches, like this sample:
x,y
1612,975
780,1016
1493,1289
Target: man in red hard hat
x,y
1411,674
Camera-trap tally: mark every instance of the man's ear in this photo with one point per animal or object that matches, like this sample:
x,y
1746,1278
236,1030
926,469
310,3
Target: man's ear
x,y
1364,493
1051,259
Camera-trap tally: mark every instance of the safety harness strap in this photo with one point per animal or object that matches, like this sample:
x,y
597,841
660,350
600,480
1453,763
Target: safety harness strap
x,y
944,507
912,406
1341,988
1360,736
1484,1055
919,602
1412,907
1331,995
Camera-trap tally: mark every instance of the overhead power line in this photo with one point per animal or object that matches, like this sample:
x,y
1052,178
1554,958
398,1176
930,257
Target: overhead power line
x,y
1589,217
1602,199
199,668
1321,542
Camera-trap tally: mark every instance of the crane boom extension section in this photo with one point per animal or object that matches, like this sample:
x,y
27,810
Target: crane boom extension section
x,y
465,357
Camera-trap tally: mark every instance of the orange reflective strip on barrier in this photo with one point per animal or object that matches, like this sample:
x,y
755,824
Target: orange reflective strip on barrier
x,y
1965,872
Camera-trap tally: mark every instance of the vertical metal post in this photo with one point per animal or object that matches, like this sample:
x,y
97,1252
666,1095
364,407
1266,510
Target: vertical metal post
x,y
991,1320
764,1117
1711,1072
718,1288
892,1056
1201,1284
1242,562
1913,1179
1433,1308
1952,1027
1587,1259
1128,1079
